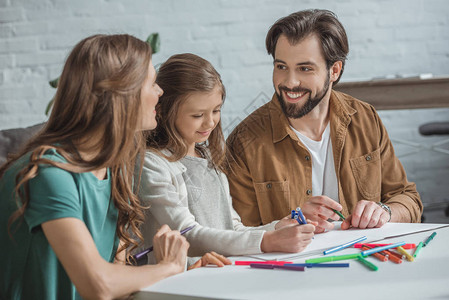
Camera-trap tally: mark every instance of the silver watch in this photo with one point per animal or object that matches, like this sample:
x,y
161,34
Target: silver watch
x,y
386,208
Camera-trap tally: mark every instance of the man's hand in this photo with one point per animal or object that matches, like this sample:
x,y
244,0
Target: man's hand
x,y
319,209
367,214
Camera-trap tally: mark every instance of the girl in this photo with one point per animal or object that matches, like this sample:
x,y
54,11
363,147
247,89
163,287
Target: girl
x,y
183,181
67,198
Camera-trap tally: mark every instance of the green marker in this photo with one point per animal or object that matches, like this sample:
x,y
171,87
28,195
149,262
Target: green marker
x,y
339,214
333,258
367,263
420,245
429,239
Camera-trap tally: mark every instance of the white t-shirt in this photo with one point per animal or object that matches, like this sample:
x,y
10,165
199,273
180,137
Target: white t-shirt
x,y
324,179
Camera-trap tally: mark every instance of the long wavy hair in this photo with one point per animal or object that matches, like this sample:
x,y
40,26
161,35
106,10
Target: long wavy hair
x,y
180,76
98,96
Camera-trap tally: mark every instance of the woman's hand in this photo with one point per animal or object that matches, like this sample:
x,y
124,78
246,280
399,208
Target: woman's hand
x,y
211,258
170,247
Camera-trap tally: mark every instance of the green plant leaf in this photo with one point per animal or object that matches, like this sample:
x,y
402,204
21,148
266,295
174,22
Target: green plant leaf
x,y
49,105
154,41
54,82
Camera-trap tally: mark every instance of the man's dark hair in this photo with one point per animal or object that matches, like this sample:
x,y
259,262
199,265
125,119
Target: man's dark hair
x,y
323,23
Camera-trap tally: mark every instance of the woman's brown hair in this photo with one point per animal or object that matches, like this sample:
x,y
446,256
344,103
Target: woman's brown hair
x,y
179,76
321,22
96,110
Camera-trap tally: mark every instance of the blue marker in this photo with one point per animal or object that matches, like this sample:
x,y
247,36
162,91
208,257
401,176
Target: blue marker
x,y
378,249
335,249
293,214
298,219
303,219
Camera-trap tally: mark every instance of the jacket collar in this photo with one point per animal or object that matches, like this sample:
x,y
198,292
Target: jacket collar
x,y
280,126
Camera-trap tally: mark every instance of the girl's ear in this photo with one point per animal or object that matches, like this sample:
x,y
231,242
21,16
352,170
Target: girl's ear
x,y
335,70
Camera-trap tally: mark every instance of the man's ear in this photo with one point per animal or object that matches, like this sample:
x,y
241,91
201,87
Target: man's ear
x,y
335,70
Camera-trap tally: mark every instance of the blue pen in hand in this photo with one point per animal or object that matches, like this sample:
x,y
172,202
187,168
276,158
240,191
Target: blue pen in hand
x,y
301,215
296,217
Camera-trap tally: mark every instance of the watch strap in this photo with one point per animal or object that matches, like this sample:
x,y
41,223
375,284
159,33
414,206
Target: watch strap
x,y
386,208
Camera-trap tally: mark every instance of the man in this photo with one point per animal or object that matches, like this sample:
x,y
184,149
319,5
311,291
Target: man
x,y
313,147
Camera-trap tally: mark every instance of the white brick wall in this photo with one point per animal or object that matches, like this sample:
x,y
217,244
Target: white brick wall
x,y
387,37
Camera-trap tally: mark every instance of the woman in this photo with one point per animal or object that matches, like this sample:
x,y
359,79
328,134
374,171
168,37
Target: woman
x,y
67,198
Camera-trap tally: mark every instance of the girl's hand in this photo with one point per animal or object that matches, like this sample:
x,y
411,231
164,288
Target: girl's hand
x,y
290,239
211,258
170,247
286,221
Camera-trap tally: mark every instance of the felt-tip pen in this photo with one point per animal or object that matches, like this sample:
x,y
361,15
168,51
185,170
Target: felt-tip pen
x,y
368,264
148,250
359,245
339,214
395,254
267,262
403,252
332,258
346,245
418,249
379,255
301,215
378,249
429,239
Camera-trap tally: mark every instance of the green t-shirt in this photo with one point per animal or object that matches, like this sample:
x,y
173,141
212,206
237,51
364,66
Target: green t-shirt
x,y
29,268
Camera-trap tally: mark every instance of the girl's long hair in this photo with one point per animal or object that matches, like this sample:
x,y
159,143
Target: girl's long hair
x,y
179,76
98,97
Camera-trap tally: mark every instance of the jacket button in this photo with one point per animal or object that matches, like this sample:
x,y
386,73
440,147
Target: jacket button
x,y
268,185
307,157
368,158
309,192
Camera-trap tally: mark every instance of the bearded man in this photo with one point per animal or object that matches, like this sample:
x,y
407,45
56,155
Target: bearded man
x,y
313,147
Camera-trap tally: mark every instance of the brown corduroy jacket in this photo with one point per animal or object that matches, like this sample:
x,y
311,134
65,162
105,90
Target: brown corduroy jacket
x,y
271,171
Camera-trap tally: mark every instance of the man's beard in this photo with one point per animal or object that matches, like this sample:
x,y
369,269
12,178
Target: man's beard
x,y
292,110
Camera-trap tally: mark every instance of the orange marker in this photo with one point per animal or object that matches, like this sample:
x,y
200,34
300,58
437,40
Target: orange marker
x,y
377,255
395,257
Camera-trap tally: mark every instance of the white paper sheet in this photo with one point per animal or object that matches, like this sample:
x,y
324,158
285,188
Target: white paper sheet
x,y
337,237
392,281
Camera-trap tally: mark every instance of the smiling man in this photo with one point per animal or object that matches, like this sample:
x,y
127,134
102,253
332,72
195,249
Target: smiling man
x,y
313,147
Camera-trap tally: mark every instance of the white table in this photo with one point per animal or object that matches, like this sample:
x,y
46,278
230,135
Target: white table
x,y
425,278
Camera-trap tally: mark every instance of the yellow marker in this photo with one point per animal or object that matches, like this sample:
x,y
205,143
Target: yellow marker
x,y
407,255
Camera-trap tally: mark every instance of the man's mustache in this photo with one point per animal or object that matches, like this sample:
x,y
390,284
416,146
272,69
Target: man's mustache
x,y
296,89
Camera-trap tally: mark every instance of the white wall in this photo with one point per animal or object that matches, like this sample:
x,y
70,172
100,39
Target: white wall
x,y
387,38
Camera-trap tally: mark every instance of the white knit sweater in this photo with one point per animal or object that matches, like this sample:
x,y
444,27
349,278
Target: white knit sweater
x,y
181,197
